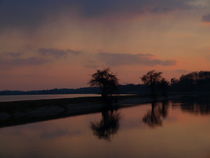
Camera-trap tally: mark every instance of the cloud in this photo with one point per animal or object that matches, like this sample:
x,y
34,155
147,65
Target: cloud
x,y
92,60
31,13
38,57
206,18
27,61
57,52
95,8
116,59
19,59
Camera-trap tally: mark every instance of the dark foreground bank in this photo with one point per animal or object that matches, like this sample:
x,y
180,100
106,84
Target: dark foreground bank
x,y
22,112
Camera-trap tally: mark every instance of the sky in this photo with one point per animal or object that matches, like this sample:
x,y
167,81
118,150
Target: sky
x,y
48,44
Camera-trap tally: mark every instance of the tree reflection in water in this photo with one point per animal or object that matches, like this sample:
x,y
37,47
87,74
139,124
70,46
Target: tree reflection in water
x,y
196,105
154,117
109,123
107,126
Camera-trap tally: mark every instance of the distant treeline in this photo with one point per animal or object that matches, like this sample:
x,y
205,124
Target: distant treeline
x,y
192,82
123,89
195,81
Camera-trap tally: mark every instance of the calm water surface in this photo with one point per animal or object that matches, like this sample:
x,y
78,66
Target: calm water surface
x,y
170,130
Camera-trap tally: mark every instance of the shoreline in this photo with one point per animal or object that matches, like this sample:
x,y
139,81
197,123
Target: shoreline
x,y
23,112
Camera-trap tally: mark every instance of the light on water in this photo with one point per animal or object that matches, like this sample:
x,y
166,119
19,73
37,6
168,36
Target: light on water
x,y
156,130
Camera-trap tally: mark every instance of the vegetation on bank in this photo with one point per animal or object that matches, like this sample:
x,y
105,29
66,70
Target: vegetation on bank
x,y
154,83
191,82
106,81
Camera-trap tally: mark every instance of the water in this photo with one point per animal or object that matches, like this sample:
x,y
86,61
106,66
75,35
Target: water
x,y
5,98
167,129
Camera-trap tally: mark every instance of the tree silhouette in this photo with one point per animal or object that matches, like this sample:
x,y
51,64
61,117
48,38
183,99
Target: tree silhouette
x,y
153,79
192,82
106,81
108,125
164,86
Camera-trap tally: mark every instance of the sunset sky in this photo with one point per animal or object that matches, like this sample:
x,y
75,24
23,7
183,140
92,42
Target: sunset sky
x,y
48,44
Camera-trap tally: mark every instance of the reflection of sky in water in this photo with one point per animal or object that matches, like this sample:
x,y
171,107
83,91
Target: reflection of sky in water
x,y
181,134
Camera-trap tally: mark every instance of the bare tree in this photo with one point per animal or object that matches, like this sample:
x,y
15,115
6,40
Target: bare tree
x,y
106,81
152,79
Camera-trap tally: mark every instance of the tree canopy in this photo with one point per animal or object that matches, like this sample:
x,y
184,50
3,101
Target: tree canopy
x,y
105,80
151,77
154,81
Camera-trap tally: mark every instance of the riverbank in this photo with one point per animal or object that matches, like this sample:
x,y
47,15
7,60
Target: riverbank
x,y
21,112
